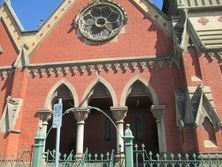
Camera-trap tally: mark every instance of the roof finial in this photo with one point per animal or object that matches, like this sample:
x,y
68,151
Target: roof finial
x,y
41,22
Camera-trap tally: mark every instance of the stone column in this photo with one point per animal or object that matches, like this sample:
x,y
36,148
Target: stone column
x,y
44,116
158,113
80,115
119,113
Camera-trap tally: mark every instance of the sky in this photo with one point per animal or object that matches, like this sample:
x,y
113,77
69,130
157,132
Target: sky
x,y
30,12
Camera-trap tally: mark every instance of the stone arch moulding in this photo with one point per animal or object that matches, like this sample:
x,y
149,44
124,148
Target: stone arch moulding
x,y
156,109
89,91
47,104
126,91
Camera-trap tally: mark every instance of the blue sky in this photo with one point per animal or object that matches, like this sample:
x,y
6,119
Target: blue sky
x,y
30,12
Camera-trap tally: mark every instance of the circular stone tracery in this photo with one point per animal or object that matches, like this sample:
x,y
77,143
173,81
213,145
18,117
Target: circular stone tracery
x,y
100,21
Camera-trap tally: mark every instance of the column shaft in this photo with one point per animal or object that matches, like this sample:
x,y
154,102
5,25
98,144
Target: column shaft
x,y
80,137
81,114
119,113
119,139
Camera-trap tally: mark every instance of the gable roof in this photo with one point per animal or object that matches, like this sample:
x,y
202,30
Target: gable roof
x,y
155,14
205,109
30,39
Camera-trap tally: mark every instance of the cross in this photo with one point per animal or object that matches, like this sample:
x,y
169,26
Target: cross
x,y
203,20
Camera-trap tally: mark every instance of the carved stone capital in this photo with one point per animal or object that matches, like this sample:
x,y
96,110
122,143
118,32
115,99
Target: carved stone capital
x,y
119,113
44,114
81,114
158,111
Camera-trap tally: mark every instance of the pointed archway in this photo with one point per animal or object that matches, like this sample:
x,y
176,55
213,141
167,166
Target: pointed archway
x,y
98,129
68,130
141,119
144,113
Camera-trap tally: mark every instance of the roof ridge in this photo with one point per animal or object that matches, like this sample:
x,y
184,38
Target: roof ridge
x,y
157,16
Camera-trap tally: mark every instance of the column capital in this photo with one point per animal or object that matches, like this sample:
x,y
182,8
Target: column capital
x,y
44,114
157,111
81,114
119,113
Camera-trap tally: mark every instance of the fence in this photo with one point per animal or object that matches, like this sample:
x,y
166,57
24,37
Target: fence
x,y
86,160
21,159
137,157
148,159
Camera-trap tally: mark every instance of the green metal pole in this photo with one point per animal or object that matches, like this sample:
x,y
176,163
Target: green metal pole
x,y
38,148
128,140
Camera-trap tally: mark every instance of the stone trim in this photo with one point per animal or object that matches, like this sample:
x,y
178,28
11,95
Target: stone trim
x,y
202,39
192,4
10,115
115,65
6,71
81,114
158,113
90,90
53,89
214,55
44,114
151,92
156,15
119,113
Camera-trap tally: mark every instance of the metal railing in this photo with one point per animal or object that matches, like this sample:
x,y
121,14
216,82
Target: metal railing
x,y
86,160
148,159
21,159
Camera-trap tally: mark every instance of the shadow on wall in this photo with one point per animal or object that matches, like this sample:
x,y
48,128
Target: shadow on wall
x,y
163,44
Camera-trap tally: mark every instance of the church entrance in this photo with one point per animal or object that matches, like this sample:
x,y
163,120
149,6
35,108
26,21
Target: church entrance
x,y
139,116
68,129
100,135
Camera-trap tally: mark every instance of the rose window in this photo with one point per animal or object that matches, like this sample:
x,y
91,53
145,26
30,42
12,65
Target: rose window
x,y
100,21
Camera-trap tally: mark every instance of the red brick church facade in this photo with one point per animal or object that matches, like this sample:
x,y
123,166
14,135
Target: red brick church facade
x,y
159,71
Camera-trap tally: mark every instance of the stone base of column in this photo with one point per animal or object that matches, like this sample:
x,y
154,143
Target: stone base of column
x,y
120,159
79,156
43,160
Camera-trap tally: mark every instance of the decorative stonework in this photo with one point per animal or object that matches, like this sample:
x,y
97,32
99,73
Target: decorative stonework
x,y
10,115
119,113
44,114
193,105
116,65
81,114
158,111
101,20
214,55
203,20
160,19
6,72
